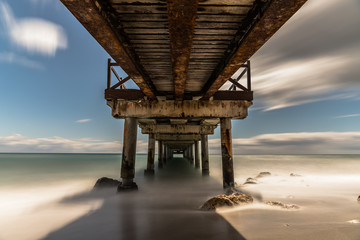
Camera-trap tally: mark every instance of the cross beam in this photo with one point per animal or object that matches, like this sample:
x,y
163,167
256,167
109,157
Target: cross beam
x,y
176,129
179,109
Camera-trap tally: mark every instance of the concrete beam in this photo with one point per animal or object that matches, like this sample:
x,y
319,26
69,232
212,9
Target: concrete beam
x,y
178,121
179,109
177,129
183,137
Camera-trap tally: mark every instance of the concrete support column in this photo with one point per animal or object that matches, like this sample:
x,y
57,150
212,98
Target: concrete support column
x,y
197,155
160,153
191,154
226,151
151,155
165,153
204,154
128,155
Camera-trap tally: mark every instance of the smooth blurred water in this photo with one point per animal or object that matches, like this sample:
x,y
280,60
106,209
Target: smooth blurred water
x,y
32,185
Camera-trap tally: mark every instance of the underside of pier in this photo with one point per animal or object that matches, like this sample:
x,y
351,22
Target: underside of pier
x,y
180,53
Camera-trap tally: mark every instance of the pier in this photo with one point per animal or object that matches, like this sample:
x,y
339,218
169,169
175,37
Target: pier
x,y
180,53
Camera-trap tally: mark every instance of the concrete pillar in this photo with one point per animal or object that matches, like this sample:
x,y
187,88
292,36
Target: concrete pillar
x,y
151,155
191,154
165,154
128,155
204,154
197,155
226,151
160,153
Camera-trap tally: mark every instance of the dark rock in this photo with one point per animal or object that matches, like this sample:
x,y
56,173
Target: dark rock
x,y
359,198
294,175
251,181
263,174
105,182
282,205
226,200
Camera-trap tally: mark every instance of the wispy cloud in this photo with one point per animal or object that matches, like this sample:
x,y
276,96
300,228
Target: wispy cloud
x,y
33,34
349,116
20,143
9,57
295,143
83,120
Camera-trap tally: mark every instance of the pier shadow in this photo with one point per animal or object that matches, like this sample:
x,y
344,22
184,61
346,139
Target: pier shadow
x,y
166,206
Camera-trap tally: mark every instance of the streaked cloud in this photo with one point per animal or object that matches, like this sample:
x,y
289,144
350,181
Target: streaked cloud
x,y
20,143
83,120
315,56
349,116
10,57
295,143
33,34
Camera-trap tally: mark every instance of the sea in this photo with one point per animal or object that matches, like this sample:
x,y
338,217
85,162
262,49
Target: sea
x,y
51,196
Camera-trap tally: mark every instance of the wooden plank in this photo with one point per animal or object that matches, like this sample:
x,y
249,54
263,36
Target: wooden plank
x,y
88,14
146,24
217,32
209,50
218,18
224,10
226,2
212,37
182,15
146,31
276,14
143,17
217,25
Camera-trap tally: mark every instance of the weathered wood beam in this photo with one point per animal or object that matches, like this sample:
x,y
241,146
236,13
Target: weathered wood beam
x,y
233,95
277,13
128,94
181,17
176,129
89,15
179,109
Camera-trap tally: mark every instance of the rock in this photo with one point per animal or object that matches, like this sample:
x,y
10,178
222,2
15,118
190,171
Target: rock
x,y
226,200
359,198
106,182
263,174
282,205
294,175
251,181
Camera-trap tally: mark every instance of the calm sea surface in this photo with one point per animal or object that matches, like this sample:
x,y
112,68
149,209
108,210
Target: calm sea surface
x,y
33,188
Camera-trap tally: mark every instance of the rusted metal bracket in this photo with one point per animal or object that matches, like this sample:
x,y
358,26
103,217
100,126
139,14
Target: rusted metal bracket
x,y
121,83
235,82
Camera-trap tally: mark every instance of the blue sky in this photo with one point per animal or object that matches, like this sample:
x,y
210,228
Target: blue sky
x,y
305,81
